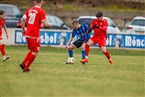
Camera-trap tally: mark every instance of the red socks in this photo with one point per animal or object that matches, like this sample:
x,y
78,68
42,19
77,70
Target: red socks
x,y
30,60
107,54
87,49
27,57
2,49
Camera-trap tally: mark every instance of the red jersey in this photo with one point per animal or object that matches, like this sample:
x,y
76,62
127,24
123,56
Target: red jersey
x,y
100,32
34,17
2,22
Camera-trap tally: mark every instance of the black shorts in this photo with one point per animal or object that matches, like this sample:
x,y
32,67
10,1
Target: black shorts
x,y
78,43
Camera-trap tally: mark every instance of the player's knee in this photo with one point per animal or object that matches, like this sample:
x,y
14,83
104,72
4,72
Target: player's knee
x,y
35,50
82,47
34,53
103,49
70,48
89,43
38,49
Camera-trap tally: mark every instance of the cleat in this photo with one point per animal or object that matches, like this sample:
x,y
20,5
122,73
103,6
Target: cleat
x,y
84,60
26,70
5,58
22,66
110,61
83,63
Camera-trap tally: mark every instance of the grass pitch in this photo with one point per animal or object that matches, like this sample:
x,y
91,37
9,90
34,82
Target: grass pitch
x,y
50,77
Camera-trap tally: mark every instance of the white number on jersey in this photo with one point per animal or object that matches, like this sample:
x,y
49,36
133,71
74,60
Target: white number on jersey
x,y
32,17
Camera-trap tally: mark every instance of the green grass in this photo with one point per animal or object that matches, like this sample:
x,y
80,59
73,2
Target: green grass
x,y
50,77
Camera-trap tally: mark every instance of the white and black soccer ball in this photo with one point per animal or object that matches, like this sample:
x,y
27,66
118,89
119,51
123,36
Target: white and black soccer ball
x,y
71,60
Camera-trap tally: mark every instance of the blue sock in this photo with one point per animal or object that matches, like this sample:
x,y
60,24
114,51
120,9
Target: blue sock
x,y
70,52
83,54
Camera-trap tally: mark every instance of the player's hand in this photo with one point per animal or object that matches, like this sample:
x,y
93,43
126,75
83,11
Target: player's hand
x,y
23,32
95,26
89,31
7,36
42,25
66,46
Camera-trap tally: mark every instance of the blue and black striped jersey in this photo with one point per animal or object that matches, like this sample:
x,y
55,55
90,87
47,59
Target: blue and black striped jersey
x,y
81,32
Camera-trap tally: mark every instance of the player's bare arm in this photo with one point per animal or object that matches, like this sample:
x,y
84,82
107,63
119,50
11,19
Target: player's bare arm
x,y
5,29
22,23
70,40
45,23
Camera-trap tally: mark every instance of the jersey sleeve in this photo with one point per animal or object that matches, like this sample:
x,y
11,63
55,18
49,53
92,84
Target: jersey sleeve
x,y
43,16
92,24
25,16
86,27
74,33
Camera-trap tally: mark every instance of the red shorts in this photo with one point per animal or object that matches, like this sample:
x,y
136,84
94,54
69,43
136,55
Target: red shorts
x,y
33,44
99,41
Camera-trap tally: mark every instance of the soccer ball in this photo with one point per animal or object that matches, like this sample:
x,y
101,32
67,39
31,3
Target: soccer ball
x,y
71,61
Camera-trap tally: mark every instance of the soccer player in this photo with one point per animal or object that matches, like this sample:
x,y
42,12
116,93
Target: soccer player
x,y
81,32
34,18
2,45
99,25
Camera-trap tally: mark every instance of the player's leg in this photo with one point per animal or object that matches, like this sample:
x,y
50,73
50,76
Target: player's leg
x,y
33,45
70,50
103,48
22,65
70,54
30,60
2,46
83,50
89,43
2,49
87,48
84,59
102,45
